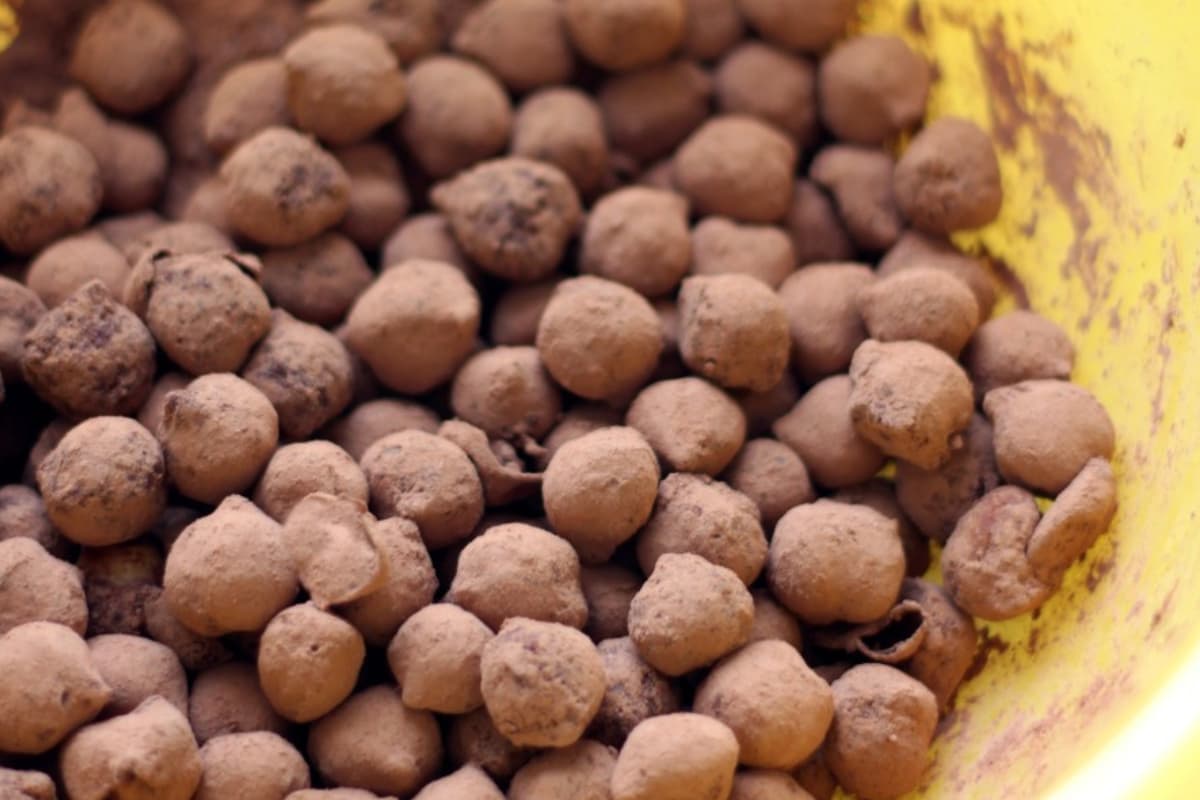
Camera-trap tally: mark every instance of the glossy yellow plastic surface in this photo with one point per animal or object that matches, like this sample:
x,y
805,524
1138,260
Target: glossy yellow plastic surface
x,y
1094,107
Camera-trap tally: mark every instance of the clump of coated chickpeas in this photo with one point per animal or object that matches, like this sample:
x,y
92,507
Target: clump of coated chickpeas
x,y
507,398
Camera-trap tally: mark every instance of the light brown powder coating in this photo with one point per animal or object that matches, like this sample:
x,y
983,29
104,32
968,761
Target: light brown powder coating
x,y
308,662
820,430
734,331
621,35
880,494
678,756
821,301
410,27
37,587
20,310
692,425
473,739
297,470
426,236
316,281
712,27
860,181
772,476
949,178
426,479
71,262
772,84
330,541
415,325
149,751
638,236
763,408
599,339
52,188
776,706
882,726
608,589
90,356
217,435
469,781
501,471
599,489
282,189
911,400
369,422
649,111
333,794
950,641
871,88
984,564
206,311
229,571
206,204
924,304
23,514
721,246
1046,431
817,232
695,514
27,784
582,771
136,668
738,167
457,115
117,42
935,499
375,742
254,766
1018,346
51,686
689,613
767,784
435,657
563,127
517,570
507,393
249,97
194,651
305,371
512,216
343,82
227,699
379,198
105,482
917,249
522,42
178,238
834,562
542,682
1080,513
773,621
579,421
814,776
634,692
46,441
410,583
808,25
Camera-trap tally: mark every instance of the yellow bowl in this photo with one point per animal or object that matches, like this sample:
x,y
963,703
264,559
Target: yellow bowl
x,y
1093,107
